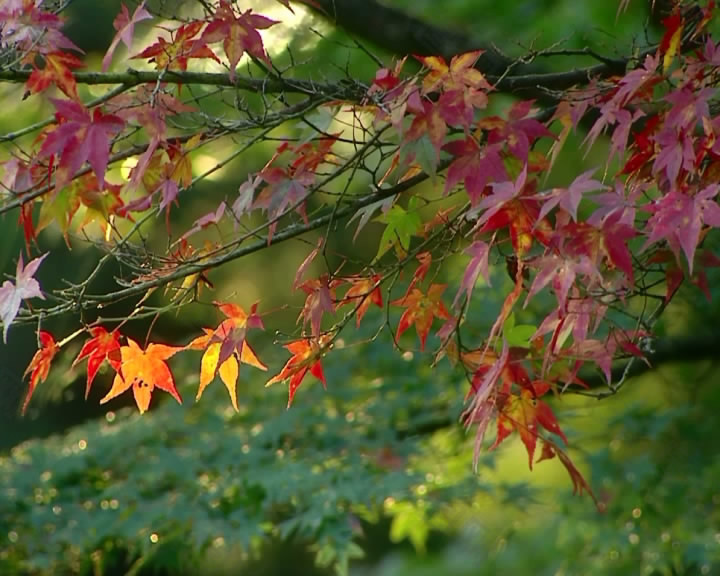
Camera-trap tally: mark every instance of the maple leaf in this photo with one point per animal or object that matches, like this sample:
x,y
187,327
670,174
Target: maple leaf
x,y
174,55
401,226
12,295
569,198
102,346
306,356
474,166
144,370
460,74
125,26
239,34
306,263
366,212
428,126
512,205
209,219
57,70
40,364
31,29
232,331
679,218
421,311
562,272
83,192
227,370
519,131
365,290
81,137
549,451
320,299
523,413
478,265
288,186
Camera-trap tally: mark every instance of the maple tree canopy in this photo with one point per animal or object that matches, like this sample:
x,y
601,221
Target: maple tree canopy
x,y
448,156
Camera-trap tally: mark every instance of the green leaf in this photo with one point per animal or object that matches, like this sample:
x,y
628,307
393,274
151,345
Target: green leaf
x,y
401,226
519,336
409,521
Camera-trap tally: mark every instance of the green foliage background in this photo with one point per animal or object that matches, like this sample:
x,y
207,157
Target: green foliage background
x,y
372,476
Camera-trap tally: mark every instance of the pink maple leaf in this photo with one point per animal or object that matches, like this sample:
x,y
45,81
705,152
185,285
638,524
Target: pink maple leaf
x,y
688,107
206,220
125,26
676,152
478,265
679,218
569,198
12,295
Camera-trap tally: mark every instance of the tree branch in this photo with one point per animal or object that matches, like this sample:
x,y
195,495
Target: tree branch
x,y
266,85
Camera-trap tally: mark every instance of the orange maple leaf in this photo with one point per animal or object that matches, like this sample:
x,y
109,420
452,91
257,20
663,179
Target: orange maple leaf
x,y
363,292
102,346
306,356
458,75
58,71
228,369
40,364
421,311
144,370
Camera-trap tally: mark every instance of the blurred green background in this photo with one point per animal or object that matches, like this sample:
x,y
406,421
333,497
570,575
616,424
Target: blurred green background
x,y
372,476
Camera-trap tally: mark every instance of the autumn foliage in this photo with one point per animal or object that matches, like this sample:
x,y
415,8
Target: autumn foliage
x,y
595,248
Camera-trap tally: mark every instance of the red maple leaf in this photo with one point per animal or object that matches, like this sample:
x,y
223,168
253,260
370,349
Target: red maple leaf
x,y
40,364
549,451
474,166
81,137
421,311
102,346
569,198
239,33
523,413
512,205
183,45
306,356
